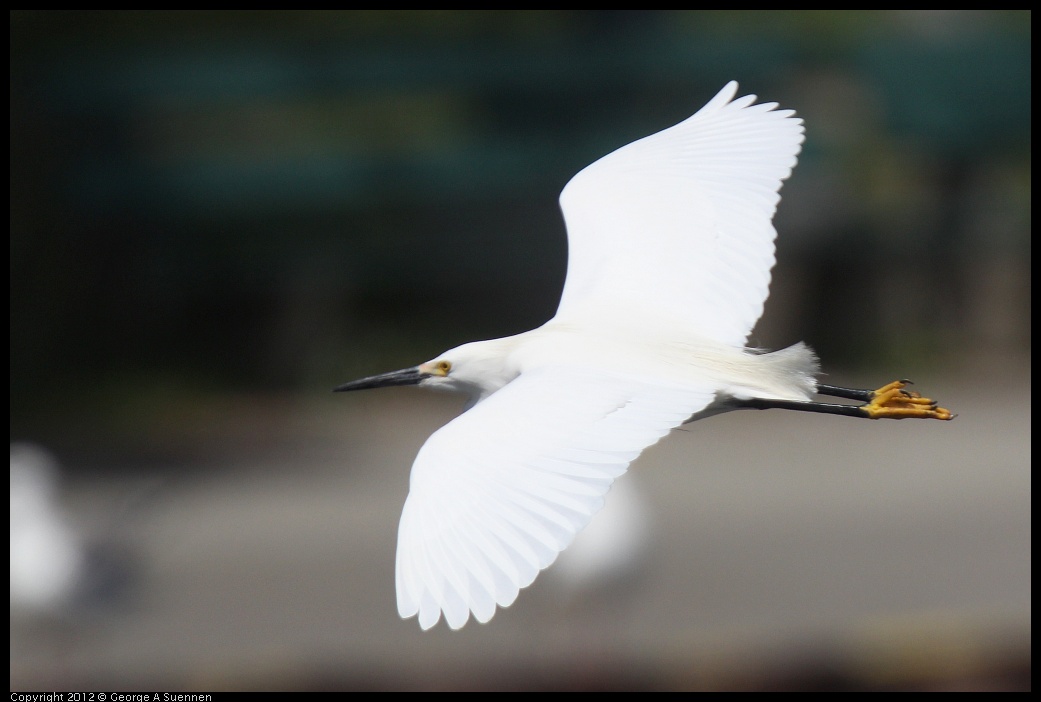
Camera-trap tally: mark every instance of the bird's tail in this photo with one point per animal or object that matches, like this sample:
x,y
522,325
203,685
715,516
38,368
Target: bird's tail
x,y
798,364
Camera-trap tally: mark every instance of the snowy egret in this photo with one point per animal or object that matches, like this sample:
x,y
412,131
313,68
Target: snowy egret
x,y
670,247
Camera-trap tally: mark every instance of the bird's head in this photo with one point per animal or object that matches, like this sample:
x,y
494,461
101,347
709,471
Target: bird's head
x,y
476,369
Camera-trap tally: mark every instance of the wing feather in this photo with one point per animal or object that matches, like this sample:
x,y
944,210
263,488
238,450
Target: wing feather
x,y
498,492
702,192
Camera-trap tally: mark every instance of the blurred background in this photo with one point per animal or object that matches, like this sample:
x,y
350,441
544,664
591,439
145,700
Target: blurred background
x,y
216,217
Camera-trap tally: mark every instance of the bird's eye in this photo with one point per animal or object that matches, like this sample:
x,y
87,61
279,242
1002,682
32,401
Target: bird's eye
x,y
443,367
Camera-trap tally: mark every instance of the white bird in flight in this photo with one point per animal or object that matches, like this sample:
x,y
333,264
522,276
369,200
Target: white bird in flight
x,y
670,247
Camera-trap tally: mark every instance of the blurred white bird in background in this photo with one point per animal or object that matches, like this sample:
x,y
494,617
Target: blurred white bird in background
x,y
608,554
65,565
670,247
47,557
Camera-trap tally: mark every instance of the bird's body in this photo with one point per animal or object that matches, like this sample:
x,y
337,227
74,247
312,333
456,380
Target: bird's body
x,y
485,367
670,247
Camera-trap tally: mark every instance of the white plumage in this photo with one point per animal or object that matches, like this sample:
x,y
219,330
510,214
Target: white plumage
x,y
670,250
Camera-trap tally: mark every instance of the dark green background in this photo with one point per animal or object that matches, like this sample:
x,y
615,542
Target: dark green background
x,y
271,203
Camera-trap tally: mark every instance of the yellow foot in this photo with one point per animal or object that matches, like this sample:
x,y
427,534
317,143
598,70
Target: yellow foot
x,y
894,402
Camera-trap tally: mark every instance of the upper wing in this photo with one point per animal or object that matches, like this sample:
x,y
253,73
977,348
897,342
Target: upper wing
x,y
678,224
498,492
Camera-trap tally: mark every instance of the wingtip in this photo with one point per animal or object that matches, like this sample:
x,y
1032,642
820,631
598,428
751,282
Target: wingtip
x,y
724,96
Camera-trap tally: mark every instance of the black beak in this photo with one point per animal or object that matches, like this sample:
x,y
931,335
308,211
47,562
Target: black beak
x,y
407,376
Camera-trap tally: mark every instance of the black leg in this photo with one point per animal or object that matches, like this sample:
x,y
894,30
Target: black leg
x,y
848,393
821,407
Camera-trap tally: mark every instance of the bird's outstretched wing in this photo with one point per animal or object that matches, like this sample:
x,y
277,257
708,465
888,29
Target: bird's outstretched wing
x,y
498,492
677,226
